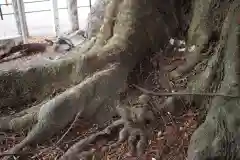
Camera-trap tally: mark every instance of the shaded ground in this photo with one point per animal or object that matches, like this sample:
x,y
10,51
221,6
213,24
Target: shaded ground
x,y
171,133
171,139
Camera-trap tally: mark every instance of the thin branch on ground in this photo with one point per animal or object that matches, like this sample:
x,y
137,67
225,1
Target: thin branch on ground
x,y
71,126
184,93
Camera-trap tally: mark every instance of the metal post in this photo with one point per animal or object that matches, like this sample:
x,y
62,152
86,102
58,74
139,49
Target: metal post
x,y
54,10
1,14
90,4
22,18
16,16
73,14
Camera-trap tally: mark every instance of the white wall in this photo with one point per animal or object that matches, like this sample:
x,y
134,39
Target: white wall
x,y
40,23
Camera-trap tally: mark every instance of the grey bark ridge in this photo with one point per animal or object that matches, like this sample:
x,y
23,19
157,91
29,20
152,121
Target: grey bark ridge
x,y
95,18
90,74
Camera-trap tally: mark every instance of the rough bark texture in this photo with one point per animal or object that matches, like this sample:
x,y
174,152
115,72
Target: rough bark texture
x,y
95,18
126,35
96,73
218,136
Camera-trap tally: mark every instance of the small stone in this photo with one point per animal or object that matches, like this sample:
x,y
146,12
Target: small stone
x,y
171,41
153,158
181,128
181,49
159,134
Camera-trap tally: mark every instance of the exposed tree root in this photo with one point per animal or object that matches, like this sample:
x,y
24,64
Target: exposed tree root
x,y
106,30
218,136
21,120
35,83
134,121
97,75
201,83
201,31
95,18
27,84
78,150
84,98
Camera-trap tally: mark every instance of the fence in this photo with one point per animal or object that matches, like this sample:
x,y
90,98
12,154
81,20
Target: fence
x,y
20,17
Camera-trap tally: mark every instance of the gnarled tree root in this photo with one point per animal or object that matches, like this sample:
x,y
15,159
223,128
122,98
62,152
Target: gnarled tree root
x,y
81,148
218,137
200,34
134,131
22,120
84,98
99,74
21,85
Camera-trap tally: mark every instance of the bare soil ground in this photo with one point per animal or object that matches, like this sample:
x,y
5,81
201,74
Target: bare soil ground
x,y
171,132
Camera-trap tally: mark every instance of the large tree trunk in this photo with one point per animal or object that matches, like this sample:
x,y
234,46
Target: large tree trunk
x,y
93,76
127,34
218,136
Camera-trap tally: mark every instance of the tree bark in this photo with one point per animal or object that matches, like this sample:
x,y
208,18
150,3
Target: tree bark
x,y
95,18
92,77
125,37
220,131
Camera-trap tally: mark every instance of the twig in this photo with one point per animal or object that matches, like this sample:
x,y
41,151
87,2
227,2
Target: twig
x,y
183,93
71,126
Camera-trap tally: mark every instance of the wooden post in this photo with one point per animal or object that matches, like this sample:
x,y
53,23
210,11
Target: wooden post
x,y
20,17
73,14
54,9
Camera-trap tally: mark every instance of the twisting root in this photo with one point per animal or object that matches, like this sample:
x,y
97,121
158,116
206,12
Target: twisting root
x,y
80,149
218,136
21,120
134,131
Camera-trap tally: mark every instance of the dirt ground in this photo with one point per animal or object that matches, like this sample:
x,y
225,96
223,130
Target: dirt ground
x,y
170,133
23,62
